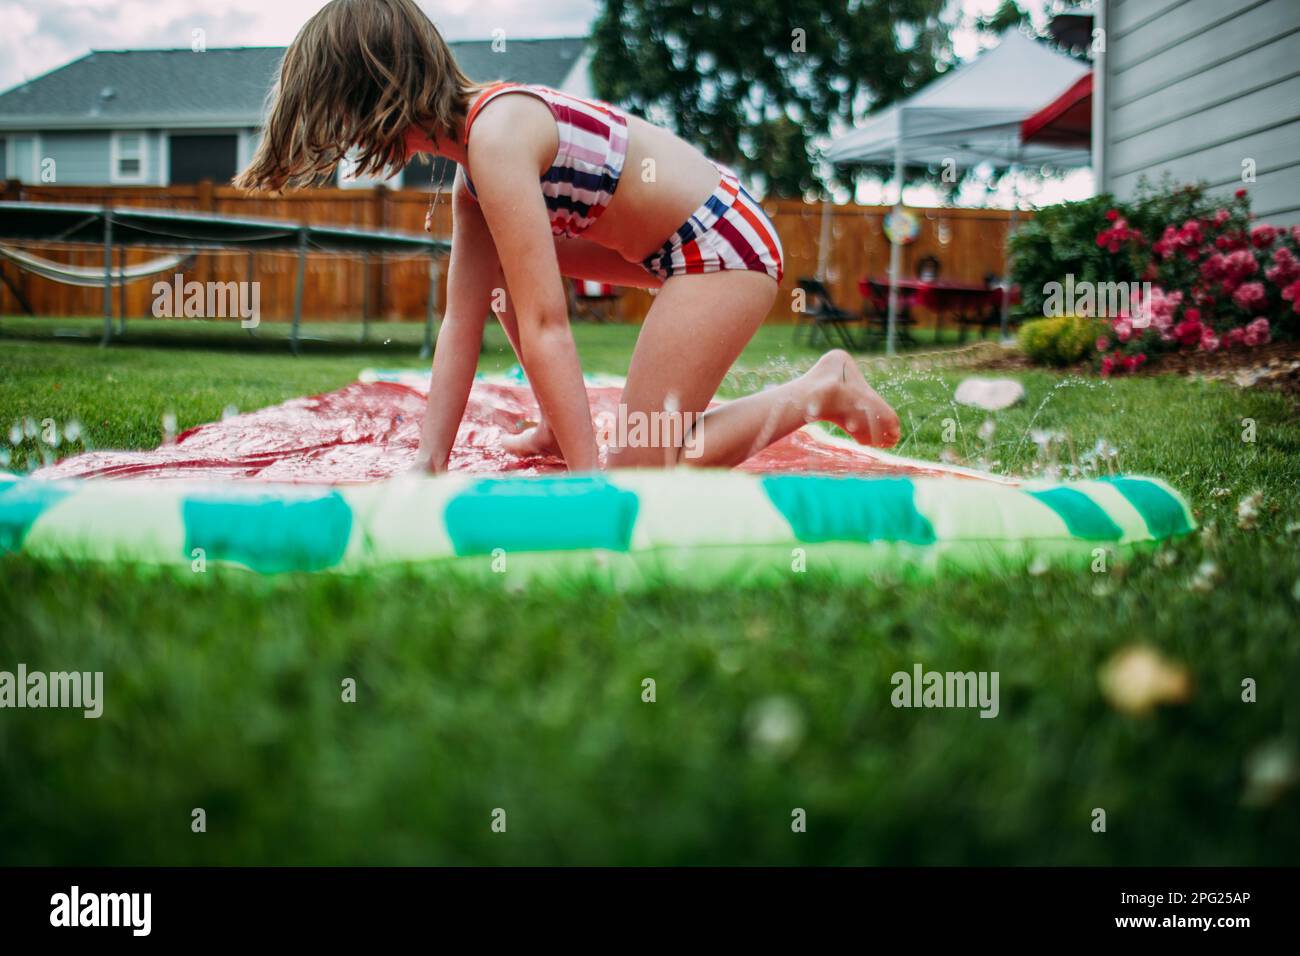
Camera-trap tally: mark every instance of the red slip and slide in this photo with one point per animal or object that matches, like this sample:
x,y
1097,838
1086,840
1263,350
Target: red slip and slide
x,y
369,431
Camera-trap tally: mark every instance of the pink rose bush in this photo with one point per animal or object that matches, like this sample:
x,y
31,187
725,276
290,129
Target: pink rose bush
x,y
1218,280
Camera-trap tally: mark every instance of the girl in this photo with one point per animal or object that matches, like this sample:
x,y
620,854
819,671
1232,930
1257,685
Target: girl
x,y
550,185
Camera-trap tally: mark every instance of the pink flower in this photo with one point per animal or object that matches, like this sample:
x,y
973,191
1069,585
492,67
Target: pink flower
x,y
1242,263
1250,296
1221,216
1257,333
1292,294
1285,268
1123,327
1231,240
1188,332
1235,338
1103,344
1107,366
1214,267
1114,238
1209,341
1112,214
1263,235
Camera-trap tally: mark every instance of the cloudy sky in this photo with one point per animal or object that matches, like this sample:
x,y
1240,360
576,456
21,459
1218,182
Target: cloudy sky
x,y
41,35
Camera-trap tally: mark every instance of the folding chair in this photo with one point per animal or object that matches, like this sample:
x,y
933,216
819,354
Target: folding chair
x,y
826,317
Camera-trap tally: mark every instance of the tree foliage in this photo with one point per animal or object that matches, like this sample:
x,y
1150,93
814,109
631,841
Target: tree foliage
x,y
754,82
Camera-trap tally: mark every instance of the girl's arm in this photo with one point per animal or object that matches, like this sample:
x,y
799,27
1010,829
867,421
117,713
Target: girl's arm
x,y
506,165
470,278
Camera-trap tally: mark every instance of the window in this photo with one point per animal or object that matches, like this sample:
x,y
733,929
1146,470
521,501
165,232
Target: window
x,y
126,155
22,158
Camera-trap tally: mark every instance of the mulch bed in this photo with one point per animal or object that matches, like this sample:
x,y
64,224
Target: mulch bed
x,y
1275,367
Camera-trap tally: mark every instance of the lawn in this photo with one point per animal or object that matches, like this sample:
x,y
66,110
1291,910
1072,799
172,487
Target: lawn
x,y
223,689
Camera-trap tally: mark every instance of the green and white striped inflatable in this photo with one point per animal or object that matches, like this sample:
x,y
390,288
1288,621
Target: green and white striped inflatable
x,y
690,525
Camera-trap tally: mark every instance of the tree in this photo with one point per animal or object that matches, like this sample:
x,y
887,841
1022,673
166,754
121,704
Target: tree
x,y
754,82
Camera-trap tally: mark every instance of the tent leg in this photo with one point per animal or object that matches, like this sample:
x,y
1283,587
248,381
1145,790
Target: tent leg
x,y
299,290
108,277
427,350
824,239
895,248
1006,252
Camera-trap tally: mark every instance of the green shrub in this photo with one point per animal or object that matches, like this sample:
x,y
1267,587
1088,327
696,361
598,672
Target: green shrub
x,y
1062,239
1060,341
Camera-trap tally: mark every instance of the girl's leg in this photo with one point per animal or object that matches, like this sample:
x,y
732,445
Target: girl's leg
x,y
577,259
693,333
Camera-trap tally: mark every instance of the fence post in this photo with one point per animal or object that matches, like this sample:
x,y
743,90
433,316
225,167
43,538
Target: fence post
x,y
205,199
298,291
252,277
378,277
365,296
434,271
108,276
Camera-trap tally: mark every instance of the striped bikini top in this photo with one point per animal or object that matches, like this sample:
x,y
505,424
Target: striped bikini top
x,y
593,146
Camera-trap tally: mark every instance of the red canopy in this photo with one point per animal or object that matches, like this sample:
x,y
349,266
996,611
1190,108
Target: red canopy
x,y
1066,121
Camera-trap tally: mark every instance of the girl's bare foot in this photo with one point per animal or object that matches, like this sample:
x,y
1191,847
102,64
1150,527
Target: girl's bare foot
x,y
842,396
532,442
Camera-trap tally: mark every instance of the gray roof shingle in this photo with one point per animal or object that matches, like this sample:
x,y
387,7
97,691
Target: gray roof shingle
x,y
224,86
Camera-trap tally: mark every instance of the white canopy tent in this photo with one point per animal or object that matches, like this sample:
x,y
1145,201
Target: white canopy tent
x,y
968,116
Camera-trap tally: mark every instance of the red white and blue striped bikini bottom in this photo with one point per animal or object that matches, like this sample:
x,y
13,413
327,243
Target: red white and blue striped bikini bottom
x,y
729,231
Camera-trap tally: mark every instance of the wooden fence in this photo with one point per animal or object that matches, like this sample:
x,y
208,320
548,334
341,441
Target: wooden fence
x,y
968,243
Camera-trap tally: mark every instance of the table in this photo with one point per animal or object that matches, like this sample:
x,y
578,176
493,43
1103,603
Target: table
x,y
965,302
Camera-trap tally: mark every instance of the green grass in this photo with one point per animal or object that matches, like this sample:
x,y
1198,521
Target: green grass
x,y
223,689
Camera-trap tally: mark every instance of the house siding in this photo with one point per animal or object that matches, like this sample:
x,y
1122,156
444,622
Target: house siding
x,y
1195,88
80,158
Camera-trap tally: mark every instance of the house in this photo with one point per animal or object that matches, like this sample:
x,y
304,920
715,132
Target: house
x,y
163,117
1201,90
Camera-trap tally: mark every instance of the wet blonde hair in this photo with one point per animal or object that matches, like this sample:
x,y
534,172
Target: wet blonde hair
x,y
357,75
